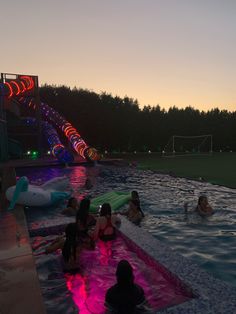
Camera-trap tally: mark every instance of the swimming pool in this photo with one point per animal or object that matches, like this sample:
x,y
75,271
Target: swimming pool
x,y
210,242
97,274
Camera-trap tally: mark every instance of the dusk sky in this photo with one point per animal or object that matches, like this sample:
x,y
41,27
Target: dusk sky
x,y
166,52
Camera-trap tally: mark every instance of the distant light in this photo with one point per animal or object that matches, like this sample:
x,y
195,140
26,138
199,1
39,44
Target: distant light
x,y
230,151
106,152
135,152
49,153
149,152
163,152
29,152
220,151
34,153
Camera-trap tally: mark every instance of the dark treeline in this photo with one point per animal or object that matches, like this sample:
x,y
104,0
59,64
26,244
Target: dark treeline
x,y
118,124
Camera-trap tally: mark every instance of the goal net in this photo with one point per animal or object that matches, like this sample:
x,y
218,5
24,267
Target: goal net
x,y
179,145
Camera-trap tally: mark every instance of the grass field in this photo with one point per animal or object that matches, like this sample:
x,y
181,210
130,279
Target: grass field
x,y
218,168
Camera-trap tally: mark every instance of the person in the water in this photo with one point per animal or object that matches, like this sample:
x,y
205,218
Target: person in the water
x,y
69,246
125,296
135,196
134,214
203,208
72,207
71,249
84,222
105,226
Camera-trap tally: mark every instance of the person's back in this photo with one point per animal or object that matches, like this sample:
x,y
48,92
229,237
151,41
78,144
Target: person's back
x,y
83,222
72,207
105,225
203,208
70,247
125,296
134,214
136,199
124,300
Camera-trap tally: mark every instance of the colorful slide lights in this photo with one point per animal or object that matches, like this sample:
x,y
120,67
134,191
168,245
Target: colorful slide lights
x,y
58,150
19,86
70,132
16,88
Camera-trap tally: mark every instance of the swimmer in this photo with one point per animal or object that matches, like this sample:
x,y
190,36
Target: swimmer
x,y
203,208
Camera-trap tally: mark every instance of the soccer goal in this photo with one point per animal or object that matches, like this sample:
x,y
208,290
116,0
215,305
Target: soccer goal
x,y
179,145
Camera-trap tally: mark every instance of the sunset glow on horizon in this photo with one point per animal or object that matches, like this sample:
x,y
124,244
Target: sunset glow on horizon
x,y
168,53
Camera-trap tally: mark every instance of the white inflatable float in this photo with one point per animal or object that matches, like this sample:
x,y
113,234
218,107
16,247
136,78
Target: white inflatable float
x,y
49,193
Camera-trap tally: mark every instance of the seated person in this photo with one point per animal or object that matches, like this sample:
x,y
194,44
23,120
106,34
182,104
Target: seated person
x,y
84,222
133,213
71,249
125,296
105,225
68,245
72,207
135,196
203,208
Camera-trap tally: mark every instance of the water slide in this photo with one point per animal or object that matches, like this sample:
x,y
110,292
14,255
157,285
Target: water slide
x,y
52,137
19,89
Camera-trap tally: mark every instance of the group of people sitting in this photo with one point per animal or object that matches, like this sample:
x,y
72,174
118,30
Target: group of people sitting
x,y
83,234
87,228
85,231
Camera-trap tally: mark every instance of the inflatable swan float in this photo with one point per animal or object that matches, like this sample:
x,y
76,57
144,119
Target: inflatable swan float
x,y
46,194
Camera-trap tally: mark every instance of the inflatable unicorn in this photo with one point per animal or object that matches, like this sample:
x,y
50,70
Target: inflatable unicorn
x,y
46,194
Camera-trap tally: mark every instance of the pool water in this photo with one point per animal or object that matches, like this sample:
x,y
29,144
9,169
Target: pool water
x,y
210,242
98,267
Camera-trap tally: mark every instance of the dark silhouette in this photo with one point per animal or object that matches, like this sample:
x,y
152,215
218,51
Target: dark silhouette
x,y
69,247
72,207
125,296
84,221
118,124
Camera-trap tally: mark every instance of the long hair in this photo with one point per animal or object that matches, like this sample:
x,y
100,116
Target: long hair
x,y
134,195
124,273
69,247
105,210
136,203
83,211
201,198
